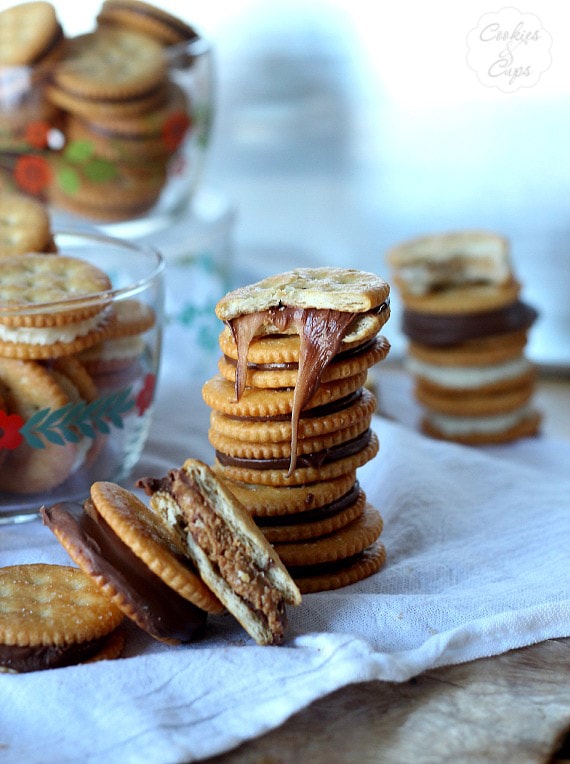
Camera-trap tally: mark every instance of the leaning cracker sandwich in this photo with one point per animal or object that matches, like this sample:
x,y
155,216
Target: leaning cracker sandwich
x,y
231,554
135,560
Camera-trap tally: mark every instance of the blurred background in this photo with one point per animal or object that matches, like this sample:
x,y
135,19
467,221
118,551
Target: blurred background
x,y
344,126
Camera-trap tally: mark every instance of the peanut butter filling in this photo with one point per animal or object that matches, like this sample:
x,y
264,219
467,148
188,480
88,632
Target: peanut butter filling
x,y
228,554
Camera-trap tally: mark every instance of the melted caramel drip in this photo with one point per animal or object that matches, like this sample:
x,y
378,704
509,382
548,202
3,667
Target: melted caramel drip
x,y
321,332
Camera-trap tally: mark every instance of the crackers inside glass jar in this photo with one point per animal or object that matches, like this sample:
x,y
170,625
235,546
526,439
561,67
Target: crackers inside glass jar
x,y
110,125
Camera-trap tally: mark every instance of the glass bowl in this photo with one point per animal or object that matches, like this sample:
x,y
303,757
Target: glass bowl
x,y
53,447
129,174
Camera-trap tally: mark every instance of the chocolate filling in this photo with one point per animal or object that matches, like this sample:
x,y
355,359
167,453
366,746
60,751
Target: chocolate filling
x,y
346,355
161,611
316,460
25,658
326,409
441,329
299,571
311,515
321,332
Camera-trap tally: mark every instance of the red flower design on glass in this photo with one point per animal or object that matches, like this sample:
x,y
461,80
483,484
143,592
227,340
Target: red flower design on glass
x,y
146,394
37,134
32,173
10,425
174,129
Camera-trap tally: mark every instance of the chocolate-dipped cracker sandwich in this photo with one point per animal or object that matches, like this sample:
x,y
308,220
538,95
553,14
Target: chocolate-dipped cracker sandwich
x,y
231,554
53,616
290,420
467,329
136,560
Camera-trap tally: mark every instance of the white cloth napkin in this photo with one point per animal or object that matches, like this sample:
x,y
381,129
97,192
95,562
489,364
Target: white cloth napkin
x,y
477,564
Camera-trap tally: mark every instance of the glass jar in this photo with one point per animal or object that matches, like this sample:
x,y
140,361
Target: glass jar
x,y
129,174
52,447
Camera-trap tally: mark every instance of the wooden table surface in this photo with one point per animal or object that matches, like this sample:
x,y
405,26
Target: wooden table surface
x,y
513,707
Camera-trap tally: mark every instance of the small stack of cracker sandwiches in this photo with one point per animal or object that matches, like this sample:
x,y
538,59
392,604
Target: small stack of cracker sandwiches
x,y
467,328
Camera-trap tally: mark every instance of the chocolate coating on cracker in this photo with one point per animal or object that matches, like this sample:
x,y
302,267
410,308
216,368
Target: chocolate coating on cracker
x,y
23,659
141,594
51,615
314,460
444,329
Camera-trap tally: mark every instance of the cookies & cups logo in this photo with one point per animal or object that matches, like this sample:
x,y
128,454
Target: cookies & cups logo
x,y
509,49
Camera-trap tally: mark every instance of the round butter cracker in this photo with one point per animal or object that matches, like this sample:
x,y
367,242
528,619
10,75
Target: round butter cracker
x,y
339,368
28,388
110,64
344,289
154,542
30,282
267,500
50,607
27,33
464,299
24,225
474,403
359,407
313,579
219,394
347,542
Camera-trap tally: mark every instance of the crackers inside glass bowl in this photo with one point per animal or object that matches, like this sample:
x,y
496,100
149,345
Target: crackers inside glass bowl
x,y
80,336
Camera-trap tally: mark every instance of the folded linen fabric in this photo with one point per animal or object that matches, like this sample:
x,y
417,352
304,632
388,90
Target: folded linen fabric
x,y
477,563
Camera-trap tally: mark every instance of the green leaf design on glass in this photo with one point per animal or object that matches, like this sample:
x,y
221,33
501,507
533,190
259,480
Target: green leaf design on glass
x,y
69,422
78,152
68,180
80,156
100,170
